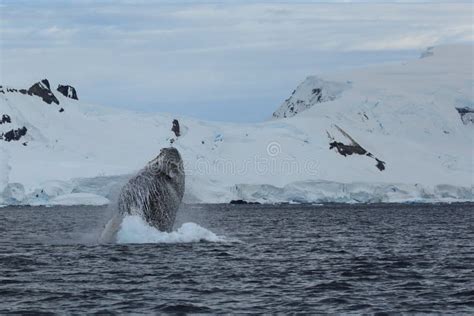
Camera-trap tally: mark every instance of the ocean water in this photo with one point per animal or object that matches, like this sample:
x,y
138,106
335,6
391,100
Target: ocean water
x,y
241,258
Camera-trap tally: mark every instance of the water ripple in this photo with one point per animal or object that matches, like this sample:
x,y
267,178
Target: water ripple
x,y
287,259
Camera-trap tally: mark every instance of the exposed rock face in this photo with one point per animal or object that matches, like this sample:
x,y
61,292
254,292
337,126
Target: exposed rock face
x,y
175,129
7,89
5,119
310,92
14,134
68,91
467,115
380,164
43,90
24,91
347,149
238,202
352,148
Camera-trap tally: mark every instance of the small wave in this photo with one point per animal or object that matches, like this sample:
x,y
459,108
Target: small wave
x,y
134,230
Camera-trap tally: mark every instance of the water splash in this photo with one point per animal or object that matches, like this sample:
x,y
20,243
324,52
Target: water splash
x,y
135,230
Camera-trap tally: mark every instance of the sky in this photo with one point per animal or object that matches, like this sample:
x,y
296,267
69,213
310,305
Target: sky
x,y
226,61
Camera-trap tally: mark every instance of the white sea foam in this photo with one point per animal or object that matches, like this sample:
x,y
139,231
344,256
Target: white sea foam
x,y
135,230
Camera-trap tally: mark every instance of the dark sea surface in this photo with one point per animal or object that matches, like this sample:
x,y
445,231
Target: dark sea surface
x,y
288,258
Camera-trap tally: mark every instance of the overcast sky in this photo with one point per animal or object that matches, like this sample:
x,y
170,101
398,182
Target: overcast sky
x,y
232,61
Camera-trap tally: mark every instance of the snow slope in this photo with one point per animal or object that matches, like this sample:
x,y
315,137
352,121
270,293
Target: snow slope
x,y
393,130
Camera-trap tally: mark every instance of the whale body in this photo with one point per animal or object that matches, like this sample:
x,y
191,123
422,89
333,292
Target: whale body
x,y
154,193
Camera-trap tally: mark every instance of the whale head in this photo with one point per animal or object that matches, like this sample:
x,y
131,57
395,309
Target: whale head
x,y
169,163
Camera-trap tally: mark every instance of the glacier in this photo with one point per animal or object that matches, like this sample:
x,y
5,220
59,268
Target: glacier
x,y
326,143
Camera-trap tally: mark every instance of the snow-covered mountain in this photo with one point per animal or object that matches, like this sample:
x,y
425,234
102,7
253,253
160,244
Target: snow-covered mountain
x,y
398,132
310,92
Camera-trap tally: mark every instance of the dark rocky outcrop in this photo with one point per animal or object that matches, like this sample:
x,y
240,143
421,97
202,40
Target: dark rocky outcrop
x,y
24,91
347,149
68,91
380,164
318,93
175,129
14,134
5,119
13,90
352,148
467,115
43,90
242,202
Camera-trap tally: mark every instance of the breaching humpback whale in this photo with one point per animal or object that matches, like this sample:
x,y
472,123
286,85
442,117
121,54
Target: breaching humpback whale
x,y
155,193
